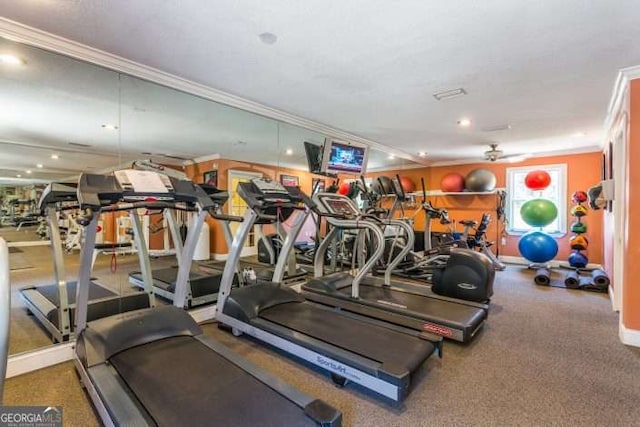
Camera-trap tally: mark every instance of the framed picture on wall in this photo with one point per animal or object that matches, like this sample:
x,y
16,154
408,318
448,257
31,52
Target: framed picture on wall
x,y
211,178
317,185
289,180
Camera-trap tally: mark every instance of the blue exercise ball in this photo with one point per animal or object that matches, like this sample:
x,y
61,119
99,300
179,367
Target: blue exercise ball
x,y
578,260
537,246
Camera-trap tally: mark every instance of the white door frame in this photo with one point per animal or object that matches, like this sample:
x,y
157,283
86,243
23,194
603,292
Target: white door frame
x,y
239,174
619,210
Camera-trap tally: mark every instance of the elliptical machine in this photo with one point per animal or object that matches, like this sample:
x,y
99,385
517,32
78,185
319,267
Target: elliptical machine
x,y
453,271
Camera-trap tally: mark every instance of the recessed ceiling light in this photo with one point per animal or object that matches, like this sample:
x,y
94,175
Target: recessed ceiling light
x,y
18,176
578,134
448,94
422,154
5,58
39,166
391,157
109,126
464,122
55,156
268,38
28,171
289,152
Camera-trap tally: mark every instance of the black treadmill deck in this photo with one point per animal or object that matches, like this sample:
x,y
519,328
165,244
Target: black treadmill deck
x,y
455,320
179,380
201,283
373,342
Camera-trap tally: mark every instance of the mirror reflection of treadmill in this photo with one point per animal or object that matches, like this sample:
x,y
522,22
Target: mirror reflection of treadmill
x,y
155,366
204,277
376,355
54,305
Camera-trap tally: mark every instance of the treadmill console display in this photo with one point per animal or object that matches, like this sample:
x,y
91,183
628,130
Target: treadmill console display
x,y
145,182
338,205
268,186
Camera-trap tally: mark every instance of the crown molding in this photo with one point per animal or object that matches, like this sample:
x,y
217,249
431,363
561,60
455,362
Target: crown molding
x,y
620,86
582,150
21,33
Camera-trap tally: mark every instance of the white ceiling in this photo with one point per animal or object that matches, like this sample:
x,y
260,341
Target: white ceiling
x,y
370,67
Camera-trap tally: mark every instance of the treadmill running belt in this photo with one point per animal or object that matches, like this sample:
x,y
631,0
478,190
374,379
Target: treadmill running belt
x,y
179,380
433,309
201,283
96,291
368,340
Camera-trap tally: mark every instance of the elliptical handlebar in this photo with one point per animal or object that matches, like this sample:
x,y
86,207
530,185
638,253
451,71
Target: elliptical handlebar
x,y
400,189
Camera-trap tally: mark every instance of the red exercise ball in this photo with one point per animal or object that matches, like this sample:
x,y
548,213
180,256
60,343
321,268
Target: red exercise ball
x,y
452,183
537,180
407,185
344,188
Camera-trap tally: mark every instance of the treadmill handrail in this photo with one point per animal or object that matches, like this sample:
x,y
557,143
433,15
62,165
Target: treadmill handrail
x,y
5,311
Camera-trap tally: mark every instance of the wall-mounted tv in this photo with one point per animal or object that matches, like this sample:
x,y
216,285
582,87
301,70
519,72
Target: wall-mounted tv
x,y
344,157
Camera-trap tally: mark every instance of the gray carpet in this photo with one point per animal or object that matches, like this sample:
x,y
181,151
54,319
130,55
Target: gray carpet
x,y
547,357
18,261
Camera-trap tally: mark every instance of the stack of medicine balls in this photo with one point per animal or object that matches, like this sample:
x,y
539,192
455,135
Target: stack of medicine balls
x,y
578,241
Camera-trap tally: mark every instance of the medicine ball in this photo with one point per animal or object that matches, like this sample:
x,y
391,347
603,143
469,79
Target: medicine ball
x,y
407,185
344,188
578,211
537,246
578,242
538,212
452,183
537,180
579,227
578,260
579,197
480,180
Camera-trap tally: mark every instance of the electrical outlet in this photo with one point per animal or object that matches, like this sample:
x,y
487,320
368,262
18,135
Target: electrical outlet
x,y
503,241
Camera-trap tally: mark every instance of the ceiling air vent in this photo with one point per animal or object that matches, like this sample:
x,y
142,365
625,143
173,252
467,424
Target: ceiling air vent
x,y
78,144
496,128
448,94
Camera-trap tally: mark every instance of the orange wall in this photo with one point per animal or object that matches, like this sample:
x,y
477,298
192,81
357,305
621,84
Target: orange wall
x,y
631,301
583,171
196,171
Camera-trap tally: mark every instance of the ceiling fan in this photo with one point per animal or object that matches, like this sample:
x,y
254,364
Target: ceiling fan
x,y
495,154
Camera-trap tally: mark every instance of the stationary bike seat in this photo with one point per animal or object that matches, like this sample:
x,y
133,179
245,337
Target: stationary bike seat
x,y
469,222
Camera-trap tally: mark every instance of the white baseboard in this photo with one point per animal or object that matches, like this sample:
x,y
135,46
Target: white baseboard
x,y
29,361
629,336
247,251
29,243
516,260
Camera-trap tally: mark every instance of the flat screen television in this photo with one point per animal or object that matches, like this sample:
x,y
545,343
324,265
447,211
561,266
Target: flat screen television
x,y
344,157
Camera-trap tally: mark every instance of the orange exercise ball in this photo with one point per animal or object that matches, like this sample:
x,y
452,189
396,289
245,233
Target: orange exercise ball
x,y
407,185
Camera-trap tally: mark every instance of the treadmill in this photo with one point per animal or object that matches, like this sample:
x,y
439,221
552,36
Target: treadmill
x,y
54,305
377,355
411,305
155,367
203,286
